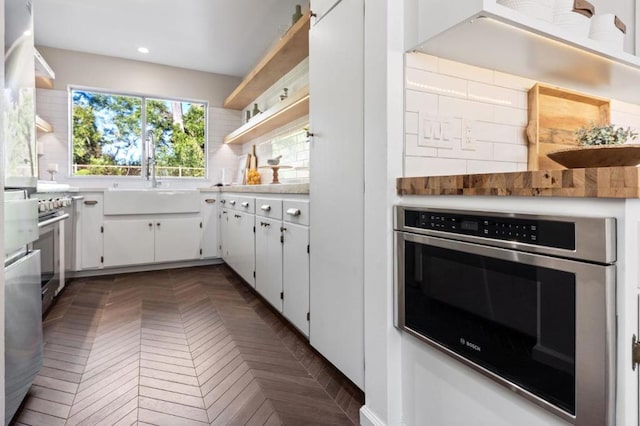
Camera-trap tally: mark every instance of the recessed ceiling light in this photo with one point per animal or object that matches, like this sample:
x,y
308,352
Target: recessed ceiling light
x,y
27,33
143,50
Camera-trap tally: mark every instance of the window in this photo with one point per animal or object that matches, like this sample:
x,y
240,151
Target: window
x,y
113,135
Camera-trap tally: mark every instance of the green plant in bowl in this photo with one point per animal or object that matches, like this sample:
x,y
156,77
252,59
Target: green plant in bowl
x,y
604,135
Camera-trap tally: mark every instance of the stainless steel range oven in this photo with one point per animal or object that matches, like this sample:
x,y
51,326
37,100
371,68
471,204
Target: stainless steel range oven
x,y
526,300
51,243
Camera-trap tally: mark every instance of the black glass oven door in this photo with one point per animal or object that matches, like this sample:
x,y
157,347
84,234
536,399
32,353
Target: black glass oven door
x,y
511,314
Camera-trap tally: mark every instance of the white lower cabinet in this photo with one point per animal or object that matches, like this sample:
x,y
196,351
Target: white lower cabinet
x,y
89,234
269,260
138,241
295,275
128,242
177,239
240,244
210,243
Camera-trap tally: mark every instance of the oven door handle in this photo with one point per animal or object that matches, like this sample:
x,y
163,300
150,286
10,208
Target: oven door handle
x,y
53,220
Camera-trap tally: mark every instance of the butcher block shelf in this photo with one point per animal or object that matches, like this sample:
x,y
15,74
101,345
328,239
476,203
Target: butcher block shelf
x,y
601,182
290,50
294,107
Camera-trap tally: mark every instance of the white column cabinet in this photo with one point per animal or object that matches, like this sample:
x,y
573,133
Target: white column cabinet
x,y
224,233
128,242
269,260
89,235
177,239
295,275
336,118
210,242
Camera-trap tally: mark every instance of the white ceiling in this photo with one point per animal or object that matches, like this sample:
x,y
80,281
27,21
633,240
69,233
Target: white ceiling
x,y
219,36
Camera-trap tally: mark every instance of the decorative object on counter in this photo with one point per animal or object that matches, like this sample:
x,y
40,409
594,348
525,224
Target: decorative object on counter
x,y
254,158
554,115
601,146
539,9
274,161
604,135
52,168
296,16
574,16
253,177
285,94
256,110
609,30
275,171
248,116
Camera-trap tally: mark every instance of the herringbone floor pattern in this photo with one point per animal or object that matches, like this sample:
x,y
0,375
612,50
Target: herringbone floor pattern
x,y
179,347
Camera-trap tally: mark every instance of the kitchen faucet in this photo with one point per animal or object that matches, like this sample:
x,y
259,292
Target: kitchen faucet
x,y
151,162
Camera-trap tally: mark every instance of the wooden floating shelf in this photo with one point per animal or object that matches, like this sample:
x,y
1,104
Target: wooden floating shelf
x,y
292,48
295,106
43,125
44,73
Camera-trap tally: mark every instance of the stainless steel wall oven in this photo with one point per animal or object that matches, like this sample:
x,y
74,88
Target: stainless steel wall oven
x,y
527,300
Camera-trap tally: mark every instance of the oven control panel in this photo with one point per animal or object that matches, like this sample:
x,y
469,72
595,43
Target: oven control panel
x,y
51,204
557,234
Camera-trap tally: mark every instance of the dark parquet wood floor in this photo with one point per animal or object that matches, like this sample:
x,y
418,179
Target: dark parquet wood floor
x,y
179,347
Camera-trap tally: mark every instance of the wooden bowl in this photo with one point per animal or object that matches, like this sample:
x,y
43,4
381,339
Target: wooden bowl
x,y
598,156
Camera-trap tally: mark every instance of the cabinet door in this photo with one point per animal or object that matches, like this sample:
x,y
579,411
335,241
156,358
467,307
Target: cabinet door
x,y
321,7
89,248
128,242
269,260
224,235
295,276
210,242
242,245
177,239
337,188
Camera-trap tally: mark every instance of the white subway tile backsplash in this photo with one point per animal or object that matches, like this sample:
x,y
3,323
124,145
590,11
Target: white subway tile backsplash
x,y
419,101
511,116
468,72
475,166
431,82
422,61
430,166
482,151
624,107
413,147
462,108
510,152
411,123
497,95
494,132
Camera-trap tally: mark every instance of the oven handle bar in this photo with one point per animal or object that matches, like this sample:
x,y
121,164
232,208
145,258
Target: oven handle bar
x,y
53,220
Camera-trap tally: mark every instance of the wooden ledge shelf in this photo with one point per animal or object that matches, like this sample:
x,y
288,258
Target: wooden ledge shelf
x,y
290,50
295,106
43,125
44,73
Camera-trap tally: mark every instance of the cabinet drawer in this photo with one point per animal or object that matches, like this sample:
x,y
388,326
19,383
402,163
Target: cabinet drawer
x,y
240,203
269,207
296,211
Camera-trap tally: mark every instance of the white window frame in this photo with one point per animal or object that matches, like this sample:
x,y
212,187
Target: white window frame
x,y
143,162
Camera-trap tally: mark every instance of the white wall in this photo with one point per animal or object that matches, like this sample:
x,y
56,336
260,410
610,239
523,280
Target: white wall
x,y
74,68
125,75
493,102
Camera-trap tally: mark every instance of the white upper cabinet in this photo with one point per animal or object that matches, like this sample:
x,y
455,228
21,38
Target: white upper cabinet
x,y
489,35
321,7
